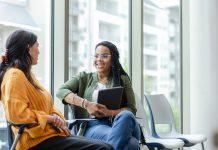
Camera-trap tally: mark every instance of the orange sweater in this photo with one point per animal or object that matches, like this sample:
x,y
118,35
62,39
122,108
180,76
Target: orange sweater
x,y
23,103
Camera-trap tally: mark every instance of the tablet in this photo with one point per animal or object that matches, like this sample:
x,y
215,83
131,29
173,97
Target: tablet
x,y
111,97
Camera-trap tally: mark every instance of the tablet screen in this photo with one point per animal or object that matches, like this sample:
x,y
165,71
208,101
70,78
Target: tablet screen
x,y
111,97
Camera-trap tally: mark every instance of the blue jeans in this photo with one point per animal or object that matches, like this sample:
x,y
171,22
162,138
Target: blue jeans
x,y
122,134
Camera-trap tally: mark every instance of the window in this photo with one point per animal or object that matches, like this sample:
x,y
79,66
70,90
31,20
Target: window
x,y
108,31
150,84
108,6
150,41
162,69
149,16
151,62
25,14
93,21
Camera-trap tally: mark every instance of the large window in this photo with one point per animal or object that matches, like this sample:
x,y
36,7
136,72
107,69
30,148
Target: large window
x,y
91,21
25,14
102,5
162,53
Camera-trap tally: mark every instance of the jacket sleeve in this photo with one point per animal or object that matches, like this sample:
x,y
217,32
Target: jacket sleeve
x,y
129,94
72,85
17,108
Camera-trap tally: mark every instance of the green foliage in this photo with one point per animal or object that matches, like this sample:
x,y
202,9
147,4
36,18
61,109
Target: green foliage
x,y
149,83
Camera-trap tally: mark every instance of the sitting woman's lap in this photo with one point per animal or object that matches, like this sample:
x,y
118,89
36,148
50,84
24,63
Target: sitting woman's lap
x,y
123,131
98,131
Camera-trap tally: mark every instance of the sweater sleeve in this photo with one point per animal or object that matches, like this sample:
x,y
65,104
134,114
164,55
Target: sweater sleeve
x,y
17,103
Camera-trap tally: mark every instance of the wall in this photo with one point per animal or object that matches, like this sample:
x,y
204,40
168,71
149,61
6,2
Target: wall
x,y
203,68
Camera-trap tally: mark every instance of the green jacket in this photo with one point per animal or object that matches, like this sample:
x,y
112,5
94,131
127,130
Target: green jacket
x,y
85,83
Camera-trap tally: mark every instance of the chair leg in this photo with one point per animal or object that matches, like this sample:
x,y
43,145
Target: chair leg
x,y
202,145
15,141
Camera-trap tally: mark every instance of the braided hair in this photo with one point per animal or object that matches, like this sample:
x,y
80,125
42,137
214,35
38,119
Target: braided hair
x,y
116,68
17,54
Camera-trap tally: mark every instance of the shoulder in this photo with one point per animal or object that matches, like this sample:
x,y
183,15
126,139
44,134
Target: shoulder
x,y
14,73
125,78
84,75
14,77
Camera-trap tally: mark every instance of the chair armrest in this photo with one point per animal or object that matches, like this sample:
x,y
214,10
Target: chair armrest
x,y
72,123
13,142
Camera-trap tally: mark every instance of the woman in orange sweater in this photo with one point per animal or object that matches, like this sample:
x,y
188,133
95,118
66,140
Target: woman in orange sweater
x,y
26,101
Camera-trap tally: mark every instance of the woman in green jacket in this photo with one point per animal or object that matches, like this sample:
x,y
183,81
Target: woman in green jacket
x,y
116,127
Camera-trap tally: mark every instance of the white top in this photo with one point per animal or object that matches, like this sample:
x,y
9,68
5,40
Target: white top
x,y
100,86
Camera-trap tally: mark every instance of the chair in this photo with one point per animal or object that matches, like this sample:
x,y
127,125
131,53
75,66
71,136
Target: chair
x,y
12,142
76,122
78,126
161,113
153,142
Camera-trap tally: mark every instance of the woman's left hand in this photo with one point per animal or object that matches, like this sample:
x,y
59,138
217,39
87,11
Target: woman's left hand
x,y
107,112
112,113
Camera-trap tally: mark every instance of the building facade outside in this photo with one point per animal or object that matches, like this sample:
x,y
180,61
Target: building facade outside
x,y
92,21
25,14
162,52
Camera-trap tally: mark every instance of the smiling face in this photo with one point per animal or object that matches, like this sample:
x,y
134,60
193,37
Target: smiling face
x,y
34,53
102,59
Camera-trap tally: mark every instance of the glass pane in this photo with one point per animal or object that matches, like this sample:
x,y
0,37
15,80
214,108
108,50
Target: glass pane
x,y
25,14
91,21
162,53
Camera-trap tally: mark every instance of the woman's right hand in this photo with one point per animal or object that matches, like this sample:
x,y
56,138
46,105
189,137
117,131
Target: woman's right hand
x,y
95,109
58,123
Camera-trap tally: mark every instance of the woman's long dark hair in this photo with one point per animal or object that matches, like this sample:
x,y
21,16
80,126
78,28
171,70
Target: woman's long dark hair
x,y
116,68
17,54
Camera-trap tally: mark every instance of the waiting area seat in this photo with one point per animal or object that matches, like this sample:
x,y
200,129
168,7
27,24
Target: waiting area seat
x,y
161,113
153,142
12,143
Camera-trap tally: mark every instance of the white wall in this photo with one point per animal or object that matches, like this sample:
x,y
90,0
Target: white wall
x,y
203,69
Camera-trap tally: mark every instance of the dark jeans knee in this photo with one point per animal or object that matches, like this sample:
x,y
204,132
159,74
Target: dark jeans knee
x,y
133,144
